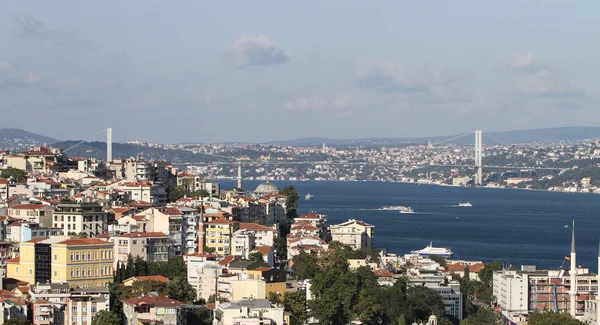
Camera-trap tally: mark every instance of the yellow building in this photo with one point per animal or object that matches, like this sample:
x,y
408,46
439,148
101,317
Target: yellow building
x,y
218,235
79,262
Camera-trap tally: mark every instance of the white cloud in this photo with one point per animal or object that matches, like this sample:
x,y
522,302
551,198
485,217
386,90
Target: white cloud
x,y
249,50
527,63
544,84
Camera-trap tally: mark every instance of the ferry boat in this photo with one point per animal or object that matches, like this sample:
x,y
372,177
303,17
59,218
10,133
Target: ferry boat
x,y
308,197
392,208
406,210
465,204
430,250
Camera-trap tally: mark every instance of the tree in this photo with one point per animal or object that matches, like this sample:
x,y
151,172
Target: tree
x,y
17,321
106,317
203,193
294,302
129,268
401,320
305,265
275,298
210,250
482,316
438,259
82,235
551,318
140,266
199,316
485,291
256,256
291,201
180,289
14,174
423,302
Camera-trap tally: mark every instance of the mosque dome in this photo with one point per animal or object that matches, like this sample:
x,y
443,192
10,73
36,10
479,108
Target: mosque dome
x,y
266,188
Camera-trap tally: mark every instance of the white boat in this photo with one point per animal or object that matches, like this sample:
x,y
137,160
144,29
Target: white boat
x,y
465,204
430,250
308,197
406,210
393,207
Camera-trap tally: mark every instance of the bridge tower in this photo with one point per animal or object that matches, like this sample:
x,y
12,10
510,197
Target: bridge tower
x,y
239,175
478,157
108,145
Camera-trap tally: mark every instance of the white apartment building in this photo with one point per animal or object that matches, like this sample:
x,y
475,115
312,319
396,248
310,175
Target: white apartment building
x,y
38,213
248,312
180,224
511,289
354,233
85,217
263,235
242,243
202,274
144,191
150,246
237,287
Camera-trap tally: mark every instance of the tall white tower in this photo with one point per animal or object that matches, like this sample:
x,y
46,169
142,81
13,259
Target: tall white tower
x,y
478,157
239,175
573,275
108,145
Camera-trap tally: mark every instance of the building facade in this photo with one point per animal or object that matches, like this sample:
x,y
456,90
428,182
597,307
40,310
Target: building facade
x,y
85,217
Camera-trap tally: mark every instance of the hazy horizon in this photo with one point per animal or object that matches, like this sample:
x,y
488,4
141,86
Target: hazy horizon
x,y
256,72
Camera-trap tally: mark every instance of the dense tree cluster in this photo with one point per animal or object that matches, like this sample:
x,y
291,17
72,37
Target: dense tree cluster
x,y
291,202
342,295
185,190
15,175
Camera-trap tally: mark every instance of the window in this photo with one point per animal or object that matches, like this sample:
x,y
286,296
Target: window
x,y
55,257
89,256
30,272
89,271
55,273
101,271
83,256
72,257
74,310
78,273
77,257
135,242
72,273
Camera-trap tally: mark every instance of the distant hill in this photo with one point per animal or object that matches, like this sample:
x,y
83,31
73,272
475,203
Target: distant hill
x,y
97,150
18,138
568,134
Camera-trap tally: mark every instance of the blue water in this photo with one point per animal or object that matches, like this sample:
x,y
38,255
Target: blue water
x,y
512,226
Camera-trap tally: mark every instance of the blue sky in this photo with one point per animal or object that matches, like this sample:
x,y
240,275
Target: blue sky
x,y
201,71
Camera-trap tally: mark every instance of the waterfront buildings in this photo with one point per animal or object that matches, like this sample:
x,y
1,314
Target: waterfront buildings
x,y
78,262
354,233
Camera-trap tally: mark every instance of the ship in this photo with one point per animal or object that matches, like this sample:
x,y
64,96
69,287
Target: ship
x,y
430,250
406,210
308,197
465,204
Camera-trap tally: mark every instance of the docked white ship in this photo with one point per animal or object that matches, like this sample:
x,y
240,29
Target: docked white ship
x,y
430,250
465,204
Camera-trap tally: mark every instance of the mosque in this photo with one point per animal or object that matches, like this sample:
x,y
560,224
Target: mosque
x,y
265,189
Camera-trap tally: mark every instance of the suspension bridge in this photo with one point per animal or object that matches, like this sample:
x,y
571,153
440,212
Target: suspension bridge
x,y
232,160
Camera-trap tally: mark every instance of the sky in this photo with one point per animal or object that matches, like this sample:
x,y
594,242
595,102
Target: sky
x,y
255,71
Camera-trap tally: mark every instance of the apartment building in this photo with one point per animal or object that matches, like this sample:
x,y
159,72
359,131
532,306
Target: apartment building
x,y
242,243
263,235
150,246
306,244
144,191
4,189
354,233
316,220
5,255
79,262
38,213
248,312
202,273
538,289
20,231
219,233
84,217
13,308
239,286
82,306
153,309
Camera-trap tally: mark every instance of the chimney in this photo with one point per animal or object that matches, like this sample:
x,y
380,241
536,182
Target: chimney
x,y
573,275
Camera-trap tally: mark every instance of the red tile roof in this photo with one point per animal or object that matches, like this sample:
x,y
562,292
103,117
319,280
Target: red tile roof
x,y
226,260
305,227
160,301
170,211
255,227
265,250
83,241
158,278
27,206
220,221
383,273
311,215
3,180
263,269
14,260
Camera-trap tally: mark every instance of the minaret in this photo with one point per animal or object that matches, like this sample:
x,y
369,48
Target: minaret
x,y
239,176
598,292
573,275
201,232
